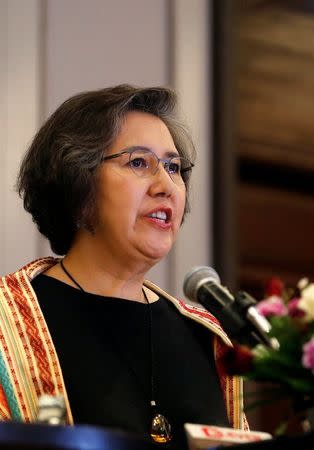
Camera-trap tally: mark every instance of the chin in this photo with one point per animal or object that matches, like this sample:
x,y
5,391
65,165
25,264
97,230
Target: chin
x,y
157,254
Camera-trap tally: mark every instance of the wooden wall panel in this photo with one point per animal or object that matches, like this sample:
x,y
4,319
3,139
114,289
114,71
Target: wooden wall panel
x,y
274,142
275,86
275,230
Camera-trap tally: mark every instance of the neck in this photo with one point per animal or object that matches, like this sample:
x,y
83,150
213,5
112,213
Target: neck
x,y
101,274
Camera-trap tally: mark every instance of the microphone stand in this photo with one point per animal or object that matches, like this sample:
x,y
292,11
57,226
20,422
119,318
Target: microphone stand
x,y
258,333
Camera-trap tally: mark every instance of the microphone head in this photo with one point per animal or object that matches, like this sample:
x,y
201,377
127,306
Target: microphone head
x,y
196,277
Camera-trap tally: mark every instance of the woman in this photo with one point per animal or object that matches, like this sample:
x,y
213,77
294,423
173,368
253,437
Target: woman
x,y
106,181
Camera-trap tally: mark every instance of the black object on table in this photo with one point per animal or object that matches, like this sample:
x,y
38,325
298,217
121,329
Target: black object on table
x,y
21,436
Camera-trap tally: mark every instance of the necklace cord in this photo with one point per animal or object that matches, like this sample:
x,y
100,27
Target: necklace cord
x,y
161,430
70,276
152,359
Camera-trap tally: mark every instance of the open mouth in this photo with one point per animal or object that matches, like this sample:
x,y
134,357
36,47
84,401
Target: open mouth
x,y
162,215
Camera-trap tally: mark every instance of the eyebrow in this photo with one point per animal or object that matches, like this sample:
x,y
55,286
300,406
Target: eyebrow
x,y
169,153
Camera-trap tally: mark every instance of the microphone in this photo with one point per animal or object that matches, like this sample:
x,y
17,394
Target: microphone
x,y
237,315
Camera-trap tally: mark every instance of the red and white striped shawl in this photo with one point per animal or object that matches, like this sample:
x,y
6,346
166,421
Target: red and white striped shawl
x,y
29,364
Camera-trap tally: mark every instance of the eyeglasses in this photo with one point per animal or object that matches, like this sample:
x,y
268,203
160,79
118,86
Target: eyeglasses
x,y
144,163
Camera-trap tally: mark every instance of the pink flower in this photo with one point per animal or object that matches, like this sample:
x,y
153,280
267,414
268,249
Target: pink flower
x,y
308,355
272,306
293,308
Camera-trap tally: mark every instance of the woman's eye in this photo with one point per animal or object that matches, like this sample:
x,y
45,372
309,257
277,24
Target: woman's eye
x,y
174,167
138,163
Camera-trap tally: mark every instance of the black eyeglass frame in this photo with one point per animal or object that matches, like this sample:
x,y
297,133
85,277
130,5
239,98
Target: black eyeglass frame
x,y
167,161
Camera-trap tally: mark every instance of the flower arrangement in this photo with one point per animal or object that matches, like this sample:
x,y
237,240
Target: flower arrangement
x,y
289,370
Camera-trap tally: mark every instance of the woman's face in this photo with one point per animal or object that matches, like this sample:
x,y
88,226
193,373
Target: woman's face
x,y
125,202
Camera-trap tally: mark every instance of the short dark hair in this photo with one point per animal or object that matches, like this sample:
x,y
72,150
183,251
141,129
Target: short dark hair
x,y
57,177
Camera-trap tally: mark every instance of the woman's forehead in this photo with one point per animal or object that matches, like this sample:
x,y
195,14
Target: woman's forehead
x,y
144,130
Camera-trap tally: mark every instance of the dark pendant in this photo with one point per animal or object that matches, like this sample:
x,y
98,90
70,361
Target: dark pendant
x,y
161,429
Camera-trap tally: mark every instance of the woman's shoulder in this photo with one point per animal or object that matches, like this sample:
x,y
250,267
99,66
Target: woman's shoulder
x,y
193,311
32,268
17,281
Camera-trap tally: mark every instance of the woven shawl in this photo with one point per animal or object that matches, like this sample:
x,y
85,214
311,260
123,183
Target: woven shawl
x,y
29,365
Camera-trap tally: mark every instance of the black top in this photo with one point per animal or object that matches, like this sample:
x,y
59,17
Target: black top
x,y
103,348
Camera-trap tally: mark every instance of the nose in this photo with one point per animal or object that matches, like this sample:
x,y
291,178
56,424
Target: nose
x,y
161,183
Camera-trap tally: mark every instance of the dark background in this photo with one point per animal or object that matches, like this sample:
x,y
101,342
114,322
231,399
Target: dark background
x,y
263,84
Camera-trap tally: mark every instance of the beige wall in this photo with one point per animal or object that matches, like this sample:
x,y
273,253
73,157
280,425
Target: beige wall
x,y
192,80
96,43
60,47
19,115
3,116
